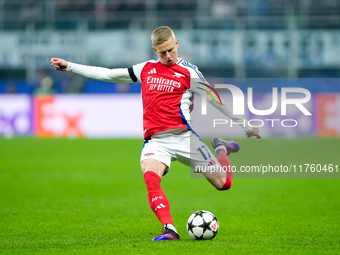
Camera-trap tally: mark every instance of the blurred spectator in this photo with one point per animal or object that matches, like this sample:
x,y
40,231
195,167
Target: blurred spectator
x,y
30,12
66,10
100,14
46,87
187,5
113,21
123,88
84,6
258,7
11,87
113,6
84,9
222,9
136,5
39,76
167,6
65,5
74,84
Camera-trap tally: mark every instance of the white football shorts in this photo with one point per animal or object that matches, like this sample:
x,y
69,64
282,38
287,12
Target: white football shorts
x,y
184,146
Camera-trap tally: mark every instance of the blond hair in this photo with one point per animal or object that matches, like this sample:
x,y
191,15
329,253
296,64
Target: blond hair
x,y
162,34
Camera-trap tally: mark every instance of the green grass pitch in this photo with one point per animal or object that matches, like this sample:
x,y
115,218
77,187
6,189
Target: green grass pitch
x,y
83,196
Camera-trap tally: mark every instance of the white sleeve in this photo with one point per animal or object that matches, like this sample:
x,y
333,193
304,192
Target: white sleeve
x,y
201,86
119,75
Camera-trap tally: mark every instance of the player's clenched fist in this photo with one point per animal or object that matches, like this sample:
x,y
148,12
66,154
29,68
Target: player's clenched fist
x,y
59,64
254,132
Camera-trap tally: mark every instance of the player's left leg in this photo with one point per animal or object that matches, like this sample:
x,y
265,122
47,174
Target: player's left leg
x,y
223,149
217,170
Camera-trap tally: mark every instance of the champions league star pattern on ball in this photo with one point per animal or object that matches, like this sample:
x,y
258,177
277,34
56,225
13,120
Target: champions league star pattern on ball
x,y
202,225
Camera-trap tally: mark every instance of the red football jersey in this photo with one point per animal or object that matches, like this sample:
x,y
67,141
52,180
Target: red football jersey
x,y
167,94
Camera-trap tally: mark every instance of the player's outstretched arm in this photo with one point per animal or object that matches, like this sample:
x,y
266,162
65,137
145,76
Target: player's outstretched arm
x,y
254,132
119,75
59,64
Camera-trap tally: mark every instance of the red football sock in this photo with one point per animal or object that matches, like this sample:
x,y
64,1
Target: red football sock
x,y
223,158
158,201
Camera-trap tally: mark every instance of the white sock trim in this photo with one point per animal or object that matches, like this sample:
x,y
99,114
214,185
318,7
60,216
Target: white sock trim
x,y
221,147
171,226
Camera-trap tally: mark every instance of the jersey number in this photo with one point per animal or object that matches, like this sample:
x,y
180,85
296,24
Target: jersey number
x,y
203,150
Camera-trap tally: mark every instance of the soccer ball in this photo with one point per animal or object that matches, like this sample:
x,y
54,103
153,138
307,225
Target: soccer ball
x,y
202,225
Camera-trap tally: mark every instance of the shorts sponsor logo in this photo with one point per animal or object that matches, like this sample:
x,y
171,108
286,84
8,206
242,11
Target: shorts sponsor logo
x,y
148,154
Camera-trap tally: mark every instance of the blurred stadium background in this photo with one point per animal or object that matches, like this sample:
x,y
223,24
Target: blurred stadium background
x,y
226,39
85,196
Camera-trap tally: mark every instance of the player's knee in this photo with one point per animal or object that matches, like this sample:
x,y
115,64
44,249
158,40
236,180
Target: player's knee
x,y
226,185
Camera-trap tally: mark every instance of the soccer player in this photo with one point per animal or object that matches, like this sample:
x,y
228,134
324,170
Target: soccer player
x,y
167,87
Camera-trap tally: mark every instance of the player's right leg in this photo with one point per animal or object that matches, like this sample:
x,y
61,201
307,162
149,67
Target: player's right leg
x,y
153,170
155,162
